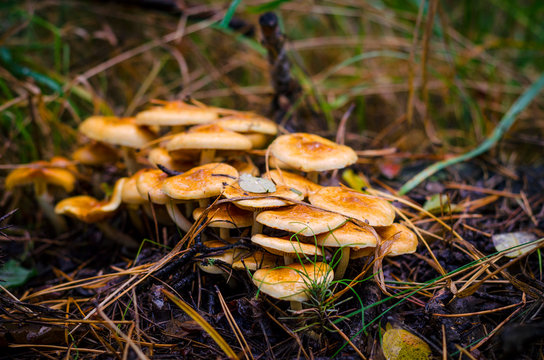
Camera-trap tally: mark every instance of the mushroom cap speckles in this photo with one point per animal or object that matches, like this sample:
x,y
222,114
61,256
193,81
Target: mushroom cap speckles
x,y
200,182
211,136
177,113
90,210
249,123
404,240
286,246
226,216
116,131
301,219
350,235
40,171
294,181
309,152
149,184
292,282
278,198
374,210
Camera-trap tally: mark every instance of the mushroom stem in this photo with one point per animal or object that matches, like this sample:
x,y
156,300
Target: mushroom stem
x,y
177,217
45,203
189,207
203,203
224,233
287,259
129,158
116,235
256,228
313,176
343,263
135,218
207,156
296,305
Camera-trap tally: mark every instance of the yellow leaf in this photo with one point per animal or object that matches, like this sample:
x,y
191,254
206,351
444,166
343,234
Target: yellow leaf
x,y
399,344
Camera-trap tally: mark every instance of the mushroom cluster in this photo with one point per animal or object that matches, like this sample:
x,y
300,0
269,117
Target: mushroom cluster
x,y
301,233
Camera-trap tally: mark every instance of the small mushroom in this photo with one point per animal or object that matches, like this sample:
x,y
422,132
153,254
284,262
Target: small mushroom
x,y
41,174
226,217
404,241
286,247
257,260
92,211
293,282
294,181
311,153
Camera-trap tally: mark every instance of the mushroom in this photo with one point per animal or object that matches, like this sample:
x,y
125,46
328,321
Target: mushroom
x,y
118,131
301,219
404,241
293,282
95,153
227,256
149,183
92,211
311,153
41,174
208,139
226,217
346,237
133,200
255,261
286,247
160,156
369,209
259,201
256,128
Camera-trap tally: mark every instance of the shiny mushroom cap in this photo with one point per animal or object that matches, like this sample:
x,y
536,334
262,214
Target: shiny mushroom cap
x,y
349,235
43,173
371,209
95,153
130,194
286,246
301,219
90,210
309,152
226,216
211,136
278,198
149,184
293,281
200,182
116,131
161,156
294,181
177,113
404,240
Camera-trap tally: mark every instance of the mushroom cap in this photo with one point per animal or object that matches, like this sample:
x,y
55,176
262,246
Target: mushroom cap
x,y
258,140
366,208
211,136
244,167
404,239
130,194
261,200
177,113
301,219
293,281
294,181
95,153
226,216
309,152
200,182
257,260
90,210
161,156
285,246
228,256
41,171
149,184
349,235
116,131
248,123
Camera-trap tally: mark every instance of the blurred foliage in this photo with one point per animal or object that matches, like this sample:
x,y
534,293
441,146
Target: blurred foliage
x,y
62,61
